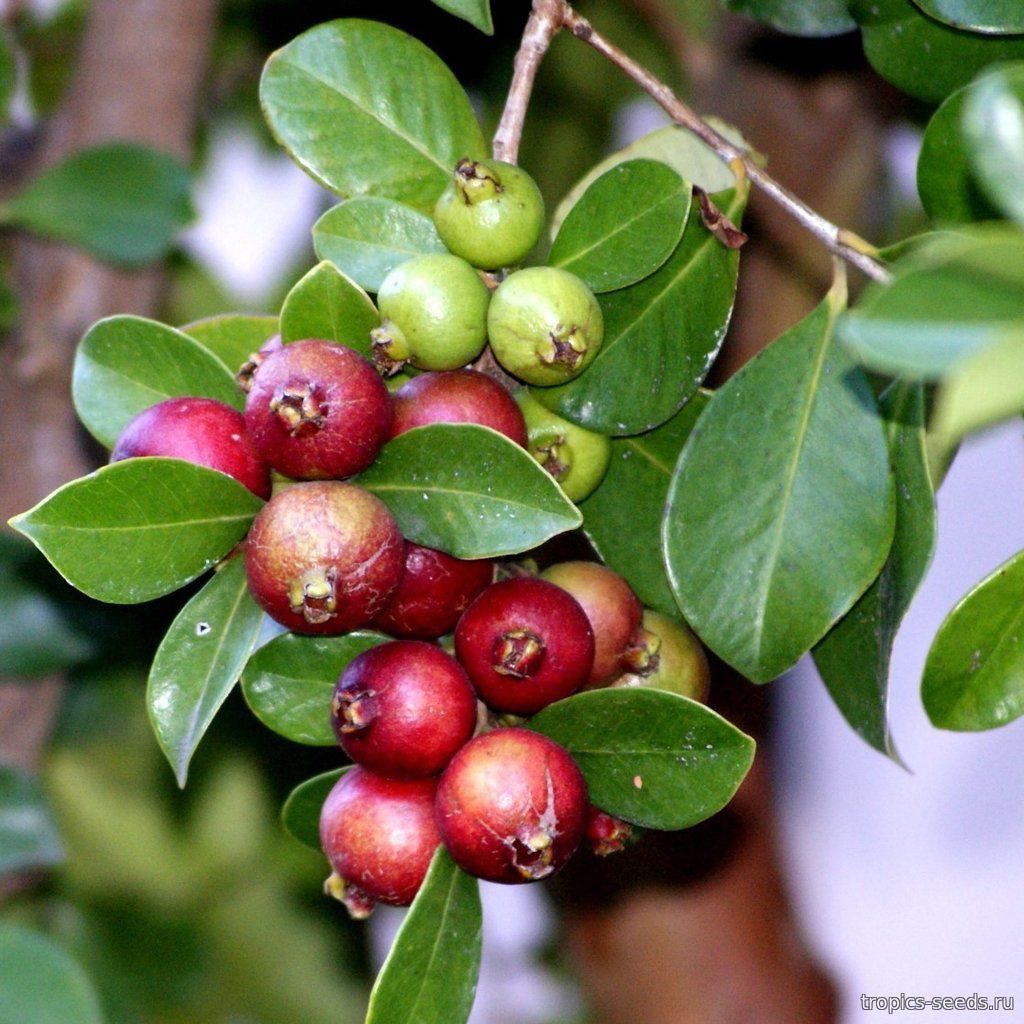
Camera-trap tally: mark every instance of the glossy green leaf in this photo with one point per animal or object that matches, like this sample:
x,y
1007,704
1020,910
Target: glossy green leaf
x,y
327,305
300,814
430,974
125,364
625,511
141,528
998,17
289,682
854,657
974,675
673,145
790,443
41,984
232,337
198,661
28,834
993,125
945,305
468,490
660,337
123,202
367,110
624,226
650,757
945,182
922,56
798,17
366,238
476,12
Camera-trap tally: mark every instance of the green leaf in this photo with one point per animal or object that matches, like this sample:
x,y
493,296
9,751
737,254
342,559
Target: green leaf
x,y
301,812
974,675
660,337
673,145
946,304
122,202
993,124
921,56
140,528
367,110
948,190
41,984
789,444
998,17
232,337
367,238
430,974
624,226
8,74
28,834
650,757
476,12
289,682
198,662
798,17
327,305
468,490
854,657
625,511
125,364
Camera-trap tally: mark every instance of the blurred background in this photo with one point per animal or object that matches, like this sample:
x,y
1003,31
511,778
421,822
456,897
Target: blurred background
x,y
834,873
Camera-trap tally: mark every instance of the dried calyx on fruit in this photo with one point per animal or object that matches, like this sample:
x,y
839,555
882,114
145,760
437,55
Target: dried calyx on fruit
x,y
379,835
577,458
324,557
457,396
525,643
611,606
607,834
512,806
198,430
433,314
317,411
403,709
666,655
434,591
248,369
491,213
545,325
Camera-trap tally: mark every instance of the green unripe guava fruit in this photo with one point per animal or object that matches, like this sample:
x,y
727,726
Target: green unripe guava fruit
x,y
545,325
491,213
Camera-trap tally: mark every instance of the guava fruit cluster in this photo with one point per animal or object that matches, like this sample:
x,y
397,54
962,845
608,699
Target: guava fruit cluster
x,y
436,720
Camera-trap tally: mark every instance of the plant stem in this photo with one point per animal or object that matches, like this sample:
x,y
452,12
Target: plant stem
x,y
843,243
546,18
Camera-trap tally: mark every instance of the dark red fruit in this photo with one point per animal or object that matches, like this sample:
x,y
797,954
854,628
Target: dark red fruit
x,y
403,709
525,643
512,806
317,411
199,430
606,834
324,557
457,396
613,609
435,589
379,835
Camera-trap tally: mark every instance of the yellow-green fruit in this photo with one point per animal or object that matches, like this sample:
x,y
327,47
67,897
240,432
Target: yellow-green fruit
x,y
545,325
666,655
577,458
491,213
433,314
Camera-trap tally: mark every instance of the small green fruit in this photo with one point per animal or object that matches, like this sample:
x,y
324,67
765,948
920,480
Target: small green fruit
x,y
666,655
433,314
545,325
491,213
576,458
